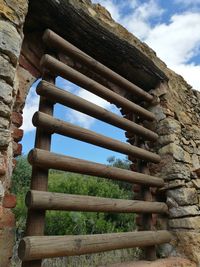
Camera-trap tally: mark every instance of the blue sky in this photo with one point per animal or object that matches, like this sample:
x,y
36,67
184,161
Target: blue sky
x,y
171,28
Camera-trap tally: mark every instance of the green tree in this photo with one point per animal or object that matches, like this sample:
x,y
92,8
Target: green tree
x,y
61,222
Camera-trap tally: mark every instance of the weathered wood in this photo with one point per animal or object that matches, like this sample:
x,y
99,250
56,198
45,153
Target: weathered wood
x,y
71,20
59,246
58,201
53,125
63,70
59,44
49,160
67,99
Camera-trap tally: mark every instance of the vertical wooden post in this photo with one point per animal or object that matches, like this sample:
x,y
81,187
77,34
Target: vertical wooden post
x,y
39,178
150,252
145,193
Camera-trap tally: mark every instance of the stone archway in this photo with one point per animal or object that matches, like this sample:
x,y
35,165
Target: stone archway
x,y
177,113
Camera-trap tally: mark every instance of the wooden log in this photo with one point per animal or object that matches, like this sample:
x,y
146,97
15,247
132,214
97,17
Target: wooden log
x,y
54,41
68,202
49,160
67,129
37,247
67,99
63,70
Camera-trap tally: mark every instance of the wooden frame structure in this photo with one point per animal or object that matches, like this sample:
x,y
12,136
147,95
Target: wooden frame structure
x,y
34,247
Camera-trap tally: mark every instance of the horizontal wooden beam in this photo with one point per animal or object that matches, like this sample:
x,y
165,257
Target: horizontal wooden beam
x,y
53,125
63,70
57,201
39,247
53,40
67,99
51,160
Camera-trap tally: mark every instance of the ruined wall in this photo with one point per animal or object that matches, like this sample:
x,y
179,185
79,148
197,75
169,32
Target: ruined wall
x,y
178,125
12,15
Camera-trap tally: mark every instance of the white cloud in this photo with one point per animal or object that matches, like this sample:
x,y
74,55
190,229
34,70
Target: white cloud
x,y
176,42
138,21
31,106
83,119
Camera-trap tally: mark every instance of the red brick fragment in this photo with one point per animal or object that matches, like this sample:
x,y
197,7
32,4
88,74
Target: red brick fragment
x,y
17,119
17,134
9,201
7,218
17,149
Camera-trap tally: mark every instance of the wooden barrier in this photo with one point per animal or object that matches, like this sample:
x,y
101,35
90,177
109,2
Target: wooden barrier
x,y
57,201
54,41
37,247
67,99
49,160
63,70
53,125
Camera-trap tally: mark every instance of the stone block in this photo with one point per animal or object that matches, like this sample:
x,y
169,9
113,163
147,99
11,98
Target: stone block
x,y
196,183
184,196
4,123
166,139
5,92
5,110
185,223
10,43
158,112
188,244
177,212
7,71
169,126
17,119
14,10
176,151
5,138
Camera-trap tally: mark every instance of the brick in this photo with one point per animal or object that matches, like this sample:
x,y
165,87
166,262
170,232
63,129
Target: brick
x,y
17,134
9,201
17,149
7,218
17,119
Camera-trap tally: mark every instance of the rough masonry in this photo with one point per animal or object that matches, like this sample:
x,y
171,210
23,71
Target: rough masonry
x,y
178,125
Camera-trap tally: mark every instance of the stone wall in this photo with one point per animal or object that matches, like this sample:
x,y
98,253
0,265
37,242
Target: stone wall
x,y
178,126
12,16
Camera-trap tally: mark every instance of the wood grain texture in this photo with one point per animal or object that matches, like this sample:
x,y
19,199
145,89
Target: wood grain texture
x,y
67,99
60,69
58,201
51,160
57,126
40,247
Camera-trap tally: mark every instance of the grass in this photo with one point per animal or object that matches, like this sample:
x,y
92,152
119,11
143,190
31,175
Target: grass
x,y
90,260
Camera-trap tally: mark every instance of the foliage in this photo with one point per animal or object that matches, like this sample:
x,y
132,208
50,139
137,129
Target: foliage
x,y
122,164
61,222
119,163
21,175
